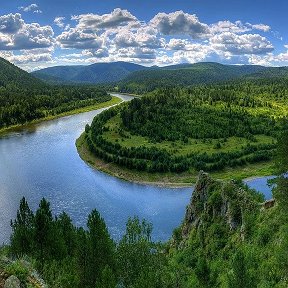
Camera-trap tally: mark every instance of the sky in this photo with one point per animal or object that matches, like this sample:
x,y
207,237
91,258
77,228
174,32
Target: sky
x,y
35,34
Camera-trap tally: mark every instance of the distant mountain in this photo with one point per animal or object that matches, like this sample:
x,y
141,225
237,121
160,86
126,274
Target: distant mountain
x,y
189,74
13,75
193,74
268,73
130,75
95,73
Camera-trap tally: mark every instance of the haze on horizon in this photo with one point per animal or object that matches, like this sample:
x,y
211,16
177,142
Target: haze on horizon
x,y
38,34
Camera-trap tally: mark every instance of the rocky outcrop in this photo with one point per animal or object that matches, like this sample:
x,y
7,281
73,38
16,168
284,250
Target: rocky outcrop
x,y
215,199
12,282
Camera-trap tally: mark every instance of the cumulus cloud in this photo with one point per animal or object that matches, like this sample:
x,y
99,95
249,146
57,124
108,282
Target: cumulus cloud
x,y
137,53
227,26
261,27
78,39
116,18
145,37
98,53
180,23
28,58
59,21
241,44
237,27
177,44
168,38
270,59
15,34
11,23
33,36
31,8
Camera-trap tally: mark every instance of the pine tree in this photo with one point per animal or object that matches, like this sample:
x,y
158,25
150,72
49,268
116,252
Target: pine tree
x,y
43,227
101,247
281,191
22,230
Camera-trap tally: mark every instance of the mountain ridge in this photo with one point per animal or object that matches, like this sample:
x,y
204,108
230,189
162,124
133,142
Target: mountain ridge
x,y
126,73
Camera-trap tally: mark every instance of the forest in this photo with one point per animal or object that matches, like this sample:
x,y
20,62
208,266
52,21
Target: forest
x,y
208,127
24,98
228,238
20,105
184,75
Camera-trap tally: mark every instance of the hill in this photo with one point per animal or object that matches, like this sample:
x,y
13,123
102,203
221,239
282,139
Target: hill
x,y
24,98
194,74
95,73
11,75
140,79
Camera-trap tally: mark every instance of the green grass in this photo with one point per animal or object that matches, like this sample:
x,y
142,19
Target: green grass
x,y
169,179
114,101
126,139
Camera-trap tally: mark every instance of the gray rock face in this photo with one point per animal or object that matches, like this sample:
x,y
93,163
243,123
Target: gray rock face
x,y
12,282
213,199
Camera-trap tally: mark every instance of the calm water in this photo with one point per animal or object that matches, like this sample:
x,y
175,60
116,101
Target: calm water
x,y
42,161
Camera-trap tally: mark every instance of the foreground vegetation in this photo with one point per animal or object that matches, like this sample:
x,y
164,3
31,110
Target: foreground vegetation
x,y
228,238
212,128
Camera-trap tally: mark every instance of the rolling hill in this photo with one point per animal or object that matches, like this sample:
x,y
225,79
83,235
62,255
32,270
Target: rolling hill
x,y
24,98
193,74
12,75
95,73
136,78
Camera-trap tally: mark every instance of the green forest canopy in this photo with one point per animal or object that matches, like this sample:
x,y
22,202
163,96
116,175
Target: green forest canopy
x,y
203,127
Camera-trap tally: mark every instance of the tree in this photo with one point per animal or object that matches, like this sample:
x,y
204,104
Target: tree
x,y
281,191
107,279
101,247
43,227
22,230
138,257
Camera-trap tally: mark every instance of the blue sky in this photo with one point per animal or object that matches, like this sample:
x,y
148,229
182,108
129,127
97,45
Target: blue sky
x,y
39,33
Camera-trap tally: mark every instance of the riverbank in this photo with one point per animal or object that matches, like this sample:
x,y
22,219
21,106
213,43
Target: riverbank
x,y
186,179
114,101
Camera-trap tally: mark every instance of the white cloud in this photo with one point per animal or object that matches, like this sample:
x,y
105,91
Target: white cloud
x,y
145,37
180,23
25,36
137,53
261,27
78,39
59,21
241,44
120,36
28,58
11,23
237,27
116,18
31,8
227,26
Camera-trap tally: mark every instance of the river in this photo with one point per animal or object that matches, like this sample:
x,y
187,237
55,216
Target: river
x,y
41,160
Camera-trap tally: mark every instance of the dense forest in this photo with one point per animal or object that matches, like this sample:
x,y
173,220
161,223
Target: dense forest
x,y
171,130
184,75
229,238
24,98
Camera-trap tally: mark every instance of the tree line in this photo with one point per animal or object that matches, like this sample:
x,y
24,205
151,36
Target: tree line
x,y
214,113
19,105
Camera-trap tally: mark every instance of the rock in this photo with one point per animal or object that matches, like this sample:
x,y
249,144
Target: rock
x,y
213,200
12,282
269,204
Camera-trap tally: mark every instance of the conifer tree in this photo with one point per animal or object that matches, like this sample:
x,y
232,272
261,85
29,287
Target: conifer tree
x,y
22,230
